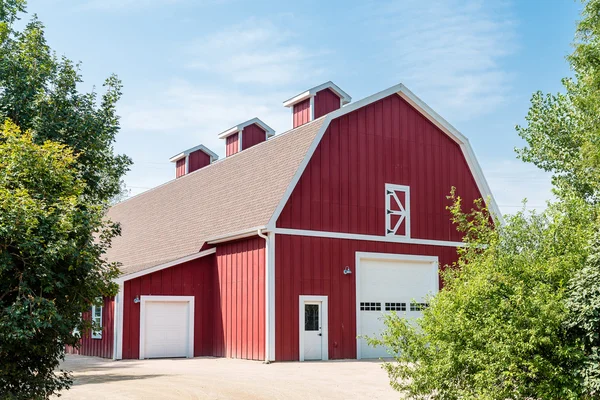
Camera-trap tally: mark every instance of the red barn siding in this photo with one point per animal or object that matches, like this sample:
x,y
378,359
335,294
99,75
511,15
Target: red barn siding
x,y
301,113
313,266
180,168
98,347
325,102
251,135
193,278
198,159
342,188
232,145
240,298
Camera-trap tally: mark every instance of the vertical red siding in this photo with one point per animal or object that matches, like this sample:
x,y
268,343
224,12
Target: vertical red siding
x,y
239,299
301,113
232,145
342,188
313,266
99,347
198,159
193,278
251,135
325,102
180,168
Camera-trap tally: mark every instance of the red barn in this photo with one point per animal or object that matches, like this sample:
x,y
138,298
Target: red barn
x,y
293,245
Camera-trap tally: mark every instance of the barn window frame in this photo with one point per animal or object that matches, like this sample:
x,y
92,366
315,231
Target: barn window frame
x,y
97,319
404,212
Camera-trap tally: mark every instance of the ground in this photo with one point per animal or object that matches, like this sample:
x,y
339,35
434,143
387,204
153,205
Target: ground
x,y
220,378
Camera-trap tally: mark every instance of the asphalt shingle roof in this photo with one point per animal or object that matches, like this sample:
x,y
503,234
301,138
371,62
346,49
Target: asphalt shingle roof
x,y
237,193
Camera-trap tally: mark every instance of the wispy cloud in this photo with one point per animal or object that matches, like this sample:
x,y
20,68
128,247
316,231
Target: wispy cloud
x,y
512,181
448,50
255,51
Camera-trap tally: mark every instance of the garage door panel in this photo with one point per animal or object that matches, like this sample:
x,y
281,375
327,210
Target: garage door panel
x,y
387,286
167,328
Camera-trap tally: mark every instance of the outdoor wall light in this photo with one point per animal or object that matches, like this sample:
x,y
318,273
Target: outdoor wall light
x,y
136,300
347,270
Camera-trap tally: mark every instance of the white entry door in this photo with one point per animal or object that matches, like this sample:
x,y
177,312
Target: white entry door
x,y
166,326
313,334
313,328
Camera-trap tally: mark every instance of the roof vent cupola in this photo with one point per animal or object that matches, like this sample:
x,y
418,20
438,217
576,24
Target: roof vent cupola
x,y
245,135
316,102
192,159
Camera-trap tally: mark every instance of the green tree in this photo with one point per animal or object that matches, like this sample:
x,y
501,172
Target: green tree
x,y
50,261
497,329
56,181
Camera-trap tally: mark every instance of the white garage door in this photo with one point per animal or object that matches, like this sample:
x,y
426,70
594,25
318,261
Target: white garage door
x,y
386,285
167,329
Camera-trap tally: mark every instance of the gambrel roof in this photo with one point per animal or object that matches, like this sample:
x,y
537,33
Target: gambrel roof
x,y
240,194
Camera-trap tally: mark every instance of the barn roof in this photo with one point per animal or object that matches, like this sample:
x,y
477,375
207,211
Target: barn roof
x,y
235,194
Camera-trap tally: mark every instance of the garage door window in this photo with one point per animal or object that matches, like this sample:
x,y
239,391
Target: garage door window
x,y
418,306
397,210
370,306
395,306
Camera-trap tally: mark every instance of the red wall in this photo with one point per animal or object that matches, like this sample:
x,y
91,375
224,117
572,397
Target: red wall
x,y
193,278
98,347
342,188
180,167
313,266
198,159
251,135
325,102
231,145
301,113
241,299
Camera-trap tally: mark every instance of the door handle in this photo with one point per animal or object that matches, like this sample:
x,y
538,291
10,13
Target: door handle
x,y
320,334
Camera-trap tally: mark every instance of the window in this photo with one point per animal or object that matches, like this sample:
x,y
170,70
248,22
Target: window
x,y
418,306
97,320
395,306
397,210
370,306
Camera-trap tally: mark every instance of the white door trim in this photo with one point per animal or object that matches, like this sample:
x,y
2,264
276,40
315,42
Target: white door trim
x,y
432,260
324,324
146,299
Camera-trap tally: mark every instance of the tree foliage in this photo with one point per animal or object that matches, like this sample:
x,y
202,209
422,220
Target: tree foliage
x,y
58,174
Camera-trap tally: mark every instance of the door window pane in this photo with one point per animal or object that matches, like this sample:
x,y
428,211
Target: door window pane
x,y
311,317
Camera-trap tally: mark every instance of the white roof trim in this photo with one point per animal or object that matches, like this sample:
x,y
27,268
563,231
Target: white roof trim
x,y
238,128
420,105
235,235
193,149
169,264
345,97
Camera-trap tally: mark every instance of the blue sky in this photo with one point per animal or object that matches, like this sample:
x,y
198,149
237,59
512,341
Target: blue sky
x,y
192,69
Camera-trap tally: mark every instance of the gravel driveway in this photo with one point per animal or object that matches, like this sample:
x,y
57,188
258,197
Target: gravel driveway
x,y
219,378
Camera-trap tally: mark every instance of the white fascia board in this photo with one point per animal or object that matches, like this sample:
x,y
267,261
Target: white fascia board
x,y
235,235
238,128
201,147
424,109
169,264
177,157
345,97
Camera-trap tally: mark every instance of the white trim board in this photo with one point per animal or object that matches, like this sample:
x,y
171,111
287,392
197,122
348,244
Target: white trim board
x,y
420,106
169,264
324,325
344,97
206,150
146,299
370,238
118,324
433,260
240,127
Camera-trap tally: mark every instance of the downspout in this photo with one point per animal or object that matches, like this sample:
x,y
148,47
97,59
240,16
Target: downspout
x,y
268,273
